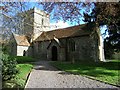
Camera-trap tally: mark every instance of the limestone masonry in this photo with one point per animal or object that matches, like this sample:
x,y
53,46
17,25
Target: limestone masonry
x,y
68,44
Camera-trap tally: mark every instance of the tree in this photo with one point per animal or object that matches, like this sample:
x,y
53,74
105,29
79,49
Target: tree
x,y
71,11
11,22
9,69
67,11
107,14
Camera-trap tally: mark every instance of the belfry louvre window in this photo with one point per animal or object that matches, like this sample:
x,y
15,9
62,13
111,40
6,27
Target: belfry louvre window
x,y
72,45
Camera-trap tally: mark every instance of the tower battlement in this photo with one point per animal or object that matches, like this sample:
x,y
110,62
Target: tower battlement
x,y
35,22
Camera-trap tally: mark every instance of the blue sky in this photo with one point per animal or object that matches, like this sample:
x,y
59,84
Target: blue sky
x,y
61,23
33,4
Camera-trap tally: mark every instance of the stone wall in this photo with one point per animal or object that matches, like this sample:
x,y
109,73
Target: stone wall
x,y
85,48
60,50
35,22
41,22
40,50
30,51
43,50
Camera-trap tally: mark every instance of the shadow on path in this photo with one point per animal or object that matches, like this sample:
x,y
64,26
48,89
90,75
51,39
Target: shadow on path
x,y
44,65
45,75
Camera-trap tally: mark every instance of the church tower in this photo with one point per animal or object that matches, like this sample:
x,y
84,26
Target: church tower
x,y
35,22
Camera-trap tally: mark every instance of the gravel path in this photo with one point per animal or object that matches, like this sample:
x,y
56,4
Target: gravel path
x,y
45,76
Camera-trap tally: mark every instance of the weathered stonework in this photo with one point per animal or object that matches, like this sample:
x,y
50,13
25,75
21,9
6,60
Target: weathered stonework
x,y
76,43
35,22
85,49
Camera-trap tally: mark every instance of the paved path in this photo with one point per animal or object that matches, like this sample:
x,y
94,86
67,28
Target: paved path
x,y
45,76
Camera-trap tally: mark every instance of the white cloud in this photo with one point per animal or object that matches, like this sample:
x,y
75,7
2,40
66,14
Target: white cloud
x,y
59,24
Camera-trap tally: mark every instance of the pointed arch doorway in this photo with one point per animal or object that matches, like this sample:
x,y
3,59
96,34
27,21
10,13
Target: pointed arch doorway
x,y
54,53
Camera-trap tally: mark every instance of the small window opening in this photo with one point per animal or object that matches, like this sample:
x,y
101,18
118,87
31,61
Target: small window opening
x,y
42,21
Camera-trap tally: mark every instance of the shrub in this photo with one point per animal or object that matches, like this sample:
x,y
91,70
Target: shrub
x,y
24,59
9,69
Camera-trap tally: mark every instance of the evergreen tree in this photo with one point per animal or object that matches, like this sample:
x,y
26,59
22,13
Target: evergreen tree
x,y
107,14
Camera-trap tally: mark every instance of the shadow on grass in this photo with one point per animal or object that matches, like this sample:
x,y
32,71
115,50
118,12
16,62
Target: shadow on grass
x,y
103,71
111,65
92,72
105,65
91,69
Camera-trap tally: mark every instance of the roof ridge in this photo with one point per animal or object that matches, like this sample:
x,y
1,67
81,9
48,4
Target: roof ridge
x,y
73,31
21,40
66,28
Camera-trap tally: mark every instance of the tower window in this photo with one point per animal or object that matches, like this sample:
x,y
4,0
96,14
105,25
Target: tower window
x,y
42,21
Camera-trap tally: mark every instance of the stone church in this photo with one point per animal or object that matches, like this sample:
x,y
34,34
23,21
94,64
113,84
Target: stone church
x,y
68,44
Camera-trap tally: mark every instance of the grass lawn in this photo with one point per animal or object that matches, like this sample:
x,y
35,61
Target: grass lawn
x,y
24,70
20,79
104,71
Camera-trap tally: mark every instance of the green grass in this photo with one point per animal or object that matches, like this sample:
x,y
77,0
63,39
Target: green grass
x,y
20,78
24,59
104,71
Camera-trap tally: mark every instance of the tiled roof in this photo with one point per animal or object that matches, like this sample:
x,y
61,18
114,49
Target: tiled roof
x,y
21,40
64,33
